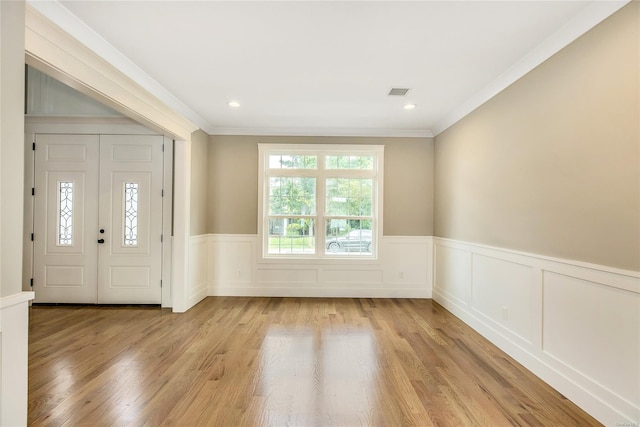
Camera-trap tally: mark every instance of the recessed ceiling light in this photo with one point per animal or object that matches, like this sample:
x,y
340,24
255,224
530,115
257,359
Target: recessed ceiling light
x,y
409,106
233,104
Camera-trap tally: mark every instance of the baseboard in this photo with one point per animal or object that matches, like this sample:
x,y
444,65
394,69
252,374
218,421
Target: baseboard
x,y
198,296
231,289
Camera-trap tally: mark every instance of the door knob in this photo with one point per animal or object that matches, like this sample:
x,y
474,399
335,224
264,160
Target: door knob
x,y
102,231
100,240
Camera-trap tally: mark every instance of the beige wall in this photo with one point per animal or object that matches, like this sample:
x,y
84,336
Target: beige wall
x,y
199,182
11,145
551,164
233,182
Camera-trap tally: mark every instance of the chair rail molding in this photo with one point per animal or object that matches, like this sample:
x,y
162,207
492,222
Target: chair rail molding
x,y
14,358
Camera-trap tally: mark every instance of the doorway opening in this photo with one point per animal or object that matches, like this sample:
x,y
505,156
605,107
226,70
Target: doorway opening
x,y
100,201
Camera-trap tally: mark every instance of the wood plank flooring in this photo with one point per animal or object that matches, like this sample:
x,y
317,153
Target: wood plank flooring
x,y
279,362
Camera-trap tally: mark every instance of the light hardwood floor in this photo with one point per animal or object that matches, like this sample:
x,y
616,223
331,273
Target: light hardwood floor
x,y
279,362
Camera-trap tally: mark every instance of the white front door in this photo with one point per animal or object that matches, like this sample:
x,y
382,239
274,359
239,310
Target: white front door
x,y
98,219
66,219
130,219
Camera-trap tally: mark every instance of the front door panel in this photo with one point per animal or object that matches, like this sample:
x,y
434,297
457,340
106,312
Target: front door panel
x,y
66,212
129,269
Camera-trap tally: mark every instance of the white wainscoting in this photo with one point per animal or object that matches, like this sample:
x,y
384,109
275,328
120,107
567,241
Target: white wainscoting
x,y
198,269
573,324
231,265
14,358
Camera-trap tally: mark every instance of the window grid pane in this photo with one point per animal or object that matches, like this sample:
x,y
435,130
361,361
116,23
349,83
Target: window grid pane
x,y
65,213
349,237
349,196
280,161
349,162
291,236
292,196
130,214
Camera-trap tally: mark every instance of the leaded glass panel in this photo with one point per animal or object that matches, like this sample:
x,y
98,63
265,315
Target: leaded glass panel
x,y
130,213
65,213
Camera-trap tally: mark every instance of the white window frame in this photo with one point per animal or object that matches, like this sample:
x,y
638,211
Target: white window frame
x,y
321,174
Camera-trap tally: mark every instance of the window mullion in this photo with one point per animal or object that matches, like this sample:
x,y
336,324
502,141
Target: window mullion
x,y
320,207
304,173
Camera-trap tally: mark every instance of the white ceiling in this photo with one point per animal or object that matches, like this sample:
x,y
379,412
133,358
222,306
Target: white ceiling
x,y
325,68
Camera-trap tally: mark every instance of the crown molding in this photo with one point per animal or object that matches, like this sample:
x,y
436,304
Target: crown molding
x,y
55,12
588,18
353,132
52,50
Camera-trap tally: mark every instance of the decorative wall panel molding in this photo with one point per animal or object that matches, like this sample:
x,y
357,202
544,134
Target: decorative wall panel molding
x,y
233,267
575,325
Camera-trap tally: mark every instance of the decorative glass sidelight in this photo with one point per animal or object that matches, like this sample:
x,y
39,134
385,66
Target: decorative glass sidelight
x,y
65,213
130,214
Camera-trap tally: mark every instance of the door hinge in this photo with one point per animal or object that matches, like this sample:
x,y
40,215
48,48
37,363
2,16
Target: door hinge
x,y
162,238
33,191
160,283
31,282
163,148
33,146
162,193
32,237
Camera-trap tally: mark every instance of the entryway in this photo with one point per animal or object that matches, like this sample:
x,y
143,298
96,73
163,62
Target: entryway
x,y
98,219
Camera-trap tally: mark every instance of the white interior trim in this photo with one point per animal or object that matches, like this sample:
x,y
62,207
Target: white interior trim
x,y
575,325
588,18
55,12
228,264
320,174
103,126
14,359
388,133
62,17
55,52
167,223
181,227
15,299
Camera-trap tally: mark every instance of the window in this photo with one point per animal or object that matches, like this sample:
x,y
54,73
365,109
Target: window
x,y
320,201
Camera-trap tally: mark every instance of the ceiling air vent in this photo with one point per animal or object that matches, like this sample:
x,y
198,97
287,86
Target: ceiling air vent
x,y
398,91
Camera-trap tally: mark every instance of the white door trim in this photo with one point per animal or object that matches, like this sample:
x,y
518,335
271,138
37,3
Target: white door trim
x,y
181,226
52,50
111,126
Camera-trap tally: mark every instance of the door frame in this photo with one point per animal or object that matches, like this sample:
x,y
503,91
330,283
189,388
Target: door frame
x,y
95,126
51,48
